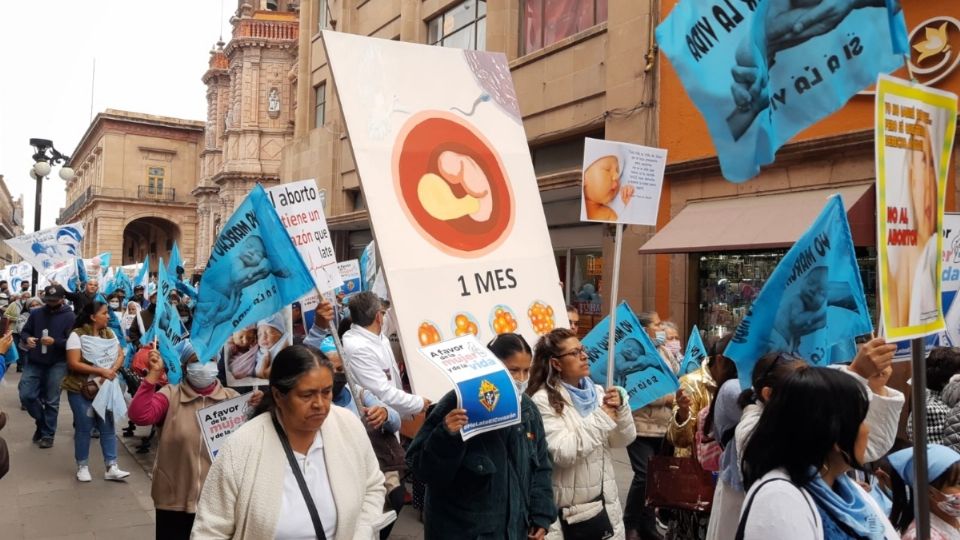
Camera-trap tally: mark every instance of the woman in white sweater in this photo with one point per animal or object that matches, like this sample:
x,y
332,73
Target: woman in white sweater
x,y
253,492
582,423
812,431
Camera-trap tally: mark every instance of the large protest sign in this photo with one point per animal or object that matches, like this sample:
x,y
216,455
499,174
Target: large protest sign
x,y
812,306
96,268
254,271
637,366
44,249
452,195
950,278
482,383
218,421
915,128
301,211
17,274
695,354
621,182
760,72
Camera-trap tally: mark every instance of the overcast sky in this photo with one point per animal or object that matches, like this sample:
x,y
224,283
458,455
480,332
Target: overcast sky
x,y
150,56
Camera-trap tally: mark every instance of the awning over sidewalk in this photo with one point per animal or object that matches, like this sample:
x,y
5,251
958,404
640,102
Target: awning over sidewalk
x,y
762,221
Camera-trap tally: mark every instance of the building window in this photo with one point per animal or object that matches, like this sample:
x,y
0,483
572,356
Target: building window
x,y
581,271
545,22
323,15
464,26
155,180
321,104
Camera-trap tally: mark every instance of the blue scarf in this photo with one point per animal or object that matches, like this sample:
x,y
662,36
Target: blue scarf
x,y
583,396
844,505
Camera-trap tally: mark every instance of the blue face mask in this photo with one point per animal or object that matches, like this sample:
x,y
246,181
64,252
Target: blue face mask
x,y
661,338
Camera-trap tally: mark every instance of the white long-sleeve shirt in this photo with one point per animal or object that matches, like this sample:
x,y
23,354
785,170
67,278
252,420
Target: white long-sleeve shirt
x,y
370,360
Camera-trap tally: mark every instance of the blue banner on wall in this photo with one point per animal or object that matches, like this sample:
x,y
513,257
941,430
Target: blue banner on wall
x,y
761,72
638,366
813,305
254,271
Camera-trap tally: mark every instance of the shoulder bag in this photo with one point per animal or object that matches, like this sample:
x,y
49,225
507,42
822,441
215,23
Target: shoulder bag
x,y
679,483
298,474
573,521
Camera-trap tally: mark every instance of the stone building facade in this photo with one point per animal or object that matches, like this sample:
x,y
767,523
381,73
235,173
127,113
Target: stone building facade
x,y
250,103
581,68
11,223
134,176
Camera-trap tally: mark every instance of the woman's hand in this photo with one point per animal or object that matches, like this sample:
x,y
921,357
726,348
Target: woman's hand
x,y
536,533
155,367
612,402
455,420
683,406
5,343
107,374
255,398
376,416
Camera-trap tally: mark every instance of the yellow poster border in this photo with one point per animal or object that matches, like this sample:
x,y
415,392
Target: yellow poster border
x,y
891,86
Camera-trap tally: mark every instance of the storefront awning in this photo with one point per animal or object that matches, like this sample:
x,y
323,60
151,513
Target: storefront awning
x,y
761,221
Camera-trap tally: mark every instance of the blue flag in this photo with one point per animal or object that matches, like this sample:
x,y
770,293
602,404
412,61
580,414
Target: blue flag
x,y
81,271
762,71
812,306
143,276
638,366
167,328
175,261
254,271
171,358
122,281
695,353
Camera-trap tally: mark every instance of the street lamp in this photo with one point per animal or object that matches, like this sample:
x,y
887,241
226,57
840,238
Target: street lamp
x,y
44,157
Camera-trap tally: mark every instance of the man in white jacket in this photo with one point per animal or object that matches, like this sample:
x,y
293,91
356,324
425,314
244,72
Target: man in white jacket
x,y
370,358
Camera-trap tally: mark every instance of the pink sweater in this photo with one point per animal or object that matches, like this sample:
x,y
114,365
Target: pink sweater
x,y
148,407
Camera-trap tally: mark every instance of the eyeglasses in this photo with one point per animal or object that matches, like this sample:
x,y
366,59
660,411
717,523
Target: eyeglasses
x,y
579,351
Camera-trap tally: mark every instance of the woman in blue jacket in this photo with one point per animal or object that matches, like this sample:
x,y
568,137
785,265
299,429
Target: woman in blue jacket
x,y
497,484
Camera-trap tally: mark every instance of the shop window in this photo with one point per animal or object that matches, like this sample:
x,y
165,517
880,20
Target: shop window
x,y
730,281
545,22
581,271
155,180
464,26
320,101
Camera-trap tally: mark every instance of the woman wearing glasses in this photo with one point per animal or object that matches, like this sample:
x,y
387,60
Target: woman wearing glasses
x,y
506,472
582,422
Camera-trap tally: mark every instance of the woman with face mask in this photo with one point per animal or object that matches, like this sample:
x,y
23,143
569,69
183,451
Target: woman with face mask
x,y
582,422
813,431
943,474
672,340
497,484
182,457
651,422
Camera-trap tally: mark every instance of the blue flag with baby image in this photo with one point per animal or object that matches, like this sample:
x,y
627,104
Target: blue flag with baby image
x,y
638,366
761,71
813,306
254,271
695,354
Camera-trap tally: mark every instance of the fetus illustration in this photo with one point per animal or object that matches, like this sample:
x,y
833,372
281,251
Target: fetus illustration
x,y
601,187
451,184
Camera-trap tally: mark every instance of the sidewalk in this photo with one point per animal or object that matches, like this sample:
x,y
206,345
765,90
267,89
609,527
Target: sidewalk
x,y
40,497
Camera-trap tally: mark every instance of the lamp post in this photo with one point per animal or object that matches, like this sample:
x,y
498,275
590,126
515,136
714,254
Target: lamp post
x,y
44,157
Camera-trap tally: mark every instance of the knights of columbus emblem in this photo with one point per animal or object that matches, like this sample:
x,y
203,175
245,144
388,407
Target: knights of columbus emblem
x,y
489,395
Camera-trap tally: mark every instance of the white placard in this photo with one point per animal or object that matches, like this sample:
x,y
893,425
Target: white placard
x,y
218,421
300,208
621,182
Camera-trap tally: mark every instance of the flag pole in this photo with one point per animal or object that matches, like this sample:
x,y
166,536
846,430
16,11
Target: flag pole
x,y
614,294
921,496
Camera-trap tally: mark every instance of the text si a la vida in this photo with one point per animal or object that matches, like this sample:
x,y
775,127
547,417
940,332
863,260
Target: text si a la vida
x,y
905,127
624,329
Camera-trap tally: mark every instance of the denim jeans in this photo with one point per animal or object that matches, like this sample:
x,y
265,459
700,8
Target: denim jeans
x,y
40,394
85,419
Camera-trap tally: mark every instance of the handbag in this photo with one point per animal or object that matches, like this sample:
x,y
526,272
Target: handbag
x,y
89,389
588,521
298,474
681,483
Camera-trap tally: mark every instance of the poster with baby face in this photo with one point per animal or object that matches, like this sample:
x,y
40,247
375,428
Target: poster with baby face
x,y
250,351
621,182
446,172
915,127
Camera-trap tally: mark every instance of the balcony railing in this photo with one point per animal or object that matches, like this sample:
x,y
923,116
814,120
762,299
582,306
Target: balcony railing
x,y
271,30
156,194
142,193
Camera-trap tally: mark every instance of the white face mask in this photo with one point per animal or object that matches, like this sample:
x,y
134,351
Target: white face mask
x,y
202,375
521,385
114,304
950,505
